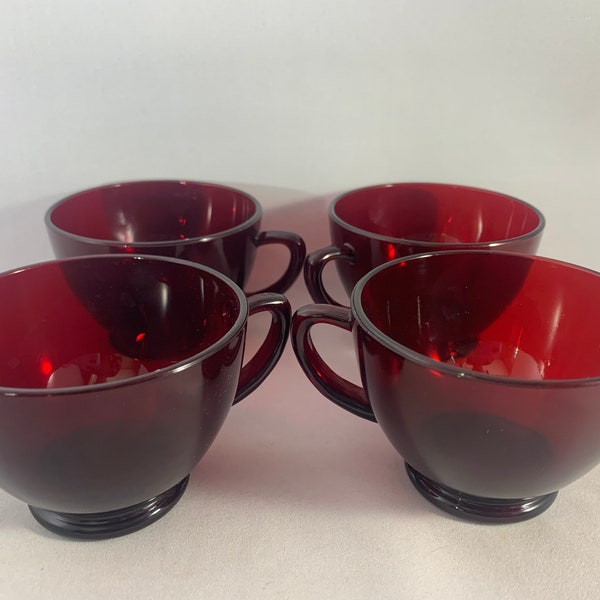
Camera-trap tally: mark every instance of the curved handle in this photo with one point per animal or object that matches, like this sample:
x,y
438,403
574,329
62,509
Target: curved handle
x,y
255,371
295,244
313,271
337,389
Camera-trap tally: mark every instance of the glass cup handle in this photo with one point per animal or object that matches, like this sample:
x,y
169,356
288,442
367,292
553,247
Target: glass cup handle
x,y
313,271
255,371
340,391
295,244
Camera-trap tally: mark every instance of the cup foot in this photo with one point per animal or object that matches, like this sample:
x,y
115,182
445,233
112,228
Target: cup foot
x,y
114,523
479,508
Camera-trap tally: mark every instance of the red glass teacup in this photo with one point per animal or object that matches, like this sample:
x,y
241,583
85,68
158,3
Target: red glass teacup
x,y
210,224
377,224
116,374
482,369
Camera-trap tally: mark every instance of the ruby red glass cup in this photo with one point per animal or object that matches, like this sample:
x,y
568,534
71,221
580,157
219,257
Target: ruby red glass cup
x,y
374,225
210,224
116,374
482,369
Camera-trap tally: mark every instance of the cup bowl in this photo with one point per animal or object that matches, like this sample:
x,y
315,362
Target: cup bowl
x,y
206,223
481,368
116,374
376,224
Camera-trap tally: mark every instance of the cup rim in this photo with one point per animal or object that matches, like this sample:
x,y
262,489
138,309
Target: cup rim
x,y
334,217
169,370
255,218
360,316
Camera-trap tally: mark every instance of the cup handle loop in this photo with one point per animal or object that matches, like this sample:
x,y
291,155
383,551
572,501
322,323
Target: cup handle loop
x,y
255,371
340,391
313,271
295,244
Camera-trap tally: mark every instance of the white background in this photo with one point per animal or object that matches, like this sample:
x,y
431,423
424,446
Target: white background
x,y
295,101
313,97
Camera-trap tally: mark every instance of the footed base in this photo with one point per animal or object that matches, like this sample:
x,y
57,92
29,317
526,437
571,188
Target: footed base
x,y
97,526
478,508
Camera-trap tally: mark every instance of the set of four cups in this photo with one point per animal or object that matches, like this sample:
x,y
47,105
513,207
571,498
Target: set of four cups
x,y
466,357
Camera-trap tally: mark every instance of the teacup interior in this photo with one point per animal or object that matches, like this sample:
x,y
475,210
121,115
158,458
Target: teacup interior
x,y
436,213
153,211
502,314
100,319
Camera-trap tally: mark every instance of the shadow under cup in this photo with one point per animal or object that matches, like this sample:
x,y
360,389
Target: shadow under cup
x,y
116,374
209,224
377,224
482,369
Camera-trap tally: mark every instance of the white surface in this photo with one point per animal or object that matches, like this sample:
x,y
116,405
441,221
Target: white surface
x,y
314,95
294,101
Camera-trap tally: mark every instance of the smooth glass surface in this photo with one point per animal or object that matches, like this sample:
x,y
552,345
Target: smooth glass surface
x,y
209,224
374,225
154,211
82,322
436,213
483,370
116,373
508,316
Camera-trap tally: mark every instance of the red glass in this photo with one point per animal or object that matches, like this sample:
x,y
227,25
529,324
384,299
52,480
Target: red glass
x,y
482,369
374,225
116,374
210,224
